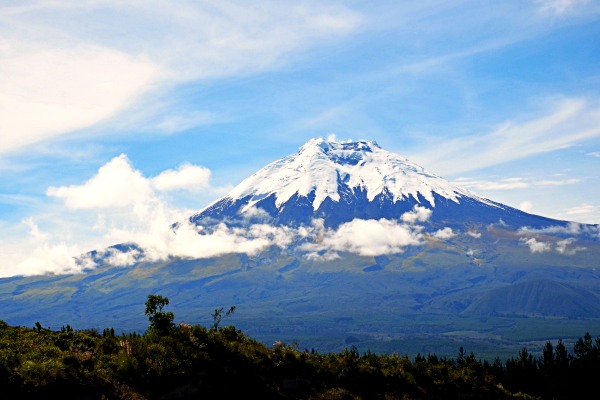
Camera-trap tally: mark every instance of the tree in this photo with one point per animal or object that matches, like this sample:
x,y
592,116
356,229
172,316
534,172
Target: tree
x,y
583,348
548,357
218,316
160,321
561,356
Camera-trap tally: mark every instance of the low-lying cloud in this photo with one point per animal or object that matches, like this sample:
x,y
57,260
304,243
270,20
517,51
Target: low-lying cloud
x,y
154,238
116,205
119,205
369,237
571,228
564,247
364,237
445,233
536,246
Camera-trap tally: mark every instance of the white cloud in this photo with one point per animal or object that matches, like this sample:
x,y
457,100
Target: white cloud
x,y
536,246
370,237
560,7
561,182
155,240
570,121
179,122
572,228
35,231
526,206
503,184
418,214
189,241
75,64
326,256
364,237
150,229
114,257
42,259
445,233
581,209
511,183
47,90
594,154
563,247
187,176
118,204
116,184
474,234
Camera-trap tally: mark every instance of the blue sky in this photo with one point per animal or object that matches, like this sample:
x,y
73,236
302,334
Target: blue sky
x,y
112,114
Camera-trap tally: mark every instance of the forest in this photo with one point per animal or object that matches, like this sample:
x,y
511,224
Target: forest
x,y
184,361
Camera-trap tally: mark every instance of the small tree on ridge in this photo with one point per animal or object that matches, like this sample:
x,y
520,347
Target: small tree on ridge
x,y
160,321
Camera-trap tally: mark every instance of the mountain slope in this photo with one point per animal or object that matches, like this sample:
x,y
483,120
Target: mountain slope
x,y
538,297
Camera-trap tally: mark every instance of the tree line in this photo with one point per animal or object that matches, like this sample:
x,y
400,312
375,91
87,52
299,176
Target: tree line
x,y
185,361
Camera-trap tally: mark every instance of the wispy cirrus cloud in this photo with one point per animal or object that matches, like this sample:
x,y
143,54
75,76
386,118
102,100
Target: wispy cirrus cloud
x,y
570,121
46,92
558,182
75,64
513,183
583,212
561,7
502,184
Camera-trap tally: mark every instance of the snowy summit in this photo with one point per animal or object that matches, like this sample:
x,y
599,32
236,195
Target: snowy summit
x,y
328,168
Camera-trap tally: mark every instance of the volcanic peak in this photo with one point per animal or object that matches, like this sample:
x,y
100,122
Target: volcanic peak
x,y
327,168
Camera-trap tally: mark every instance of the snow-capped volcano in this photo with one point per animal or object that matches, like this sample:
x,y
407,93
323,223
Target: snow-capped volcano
x,y
328,243
341,181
